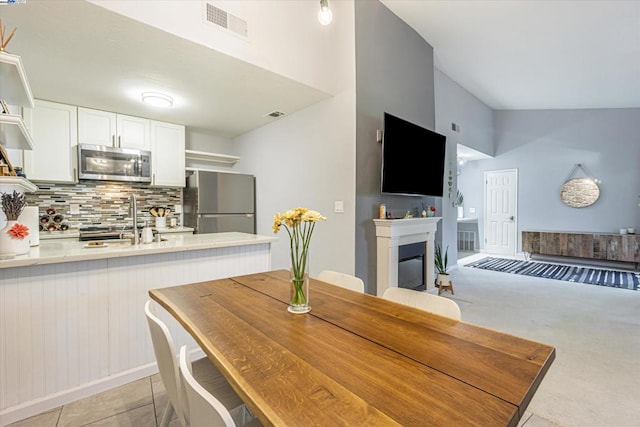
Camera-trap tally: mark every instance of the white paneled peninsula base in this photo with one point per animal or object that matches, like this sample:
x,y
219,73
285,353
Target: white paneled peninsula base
x,y
72,319
392,233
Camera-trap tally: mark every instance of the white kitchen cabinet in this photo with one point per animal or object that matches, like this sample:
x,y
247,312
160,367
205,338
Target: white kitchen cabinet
x,y
133,132
54,127
98,127
167,154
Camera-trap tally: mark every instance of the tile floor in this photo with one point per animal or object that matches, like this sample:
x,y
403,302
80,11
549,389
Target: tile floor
x,y
139,404
593,381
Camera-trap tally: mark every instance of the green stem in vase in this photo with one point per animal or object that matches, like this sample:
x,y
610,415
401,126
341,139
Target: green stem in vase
x,y
299,297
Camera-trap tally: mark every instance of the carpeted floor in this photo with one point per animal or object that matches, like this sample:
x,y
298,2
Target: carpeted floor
x,y
593,382
569,273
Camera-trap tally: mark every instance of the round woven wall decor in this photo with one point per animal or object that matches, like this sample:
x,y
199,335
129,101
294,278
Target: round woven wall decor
x,y
579,192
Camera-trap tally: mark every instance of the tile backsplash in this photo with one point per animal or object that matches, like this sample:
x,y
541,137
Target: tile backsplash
x,y
102,203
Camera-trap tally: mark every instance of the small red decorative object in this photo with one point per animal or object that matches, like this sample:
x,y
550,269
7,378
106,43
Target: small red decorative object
x,y
18,231
432,208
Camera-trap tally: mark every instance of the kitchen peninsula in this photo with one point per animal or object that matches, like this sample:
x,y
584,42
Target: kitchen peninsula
x,y
72,318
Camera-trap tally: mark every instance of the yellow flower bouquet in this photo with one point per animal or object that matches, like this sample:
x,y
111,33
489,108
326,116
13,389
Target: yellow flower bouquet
x,y
299,223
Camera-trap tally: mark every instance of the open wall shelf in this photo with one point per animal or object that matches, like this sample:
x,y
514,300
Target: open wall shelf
x,y
17,183
14,133
15,91
14,86
202,156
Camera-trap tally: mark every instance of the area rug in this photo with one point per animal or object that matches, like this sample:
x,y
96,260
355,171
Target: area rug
x,y
569,273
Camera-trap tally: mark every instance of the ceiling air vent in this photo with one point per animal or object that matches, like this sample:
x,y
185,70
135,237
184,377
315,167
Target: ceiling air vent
x,y
223,19
275,114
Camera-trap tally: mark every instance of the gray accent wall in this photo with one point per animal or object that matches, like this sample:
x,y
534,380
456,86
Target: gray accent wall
x,y
394,73
544,146
454,104
475,119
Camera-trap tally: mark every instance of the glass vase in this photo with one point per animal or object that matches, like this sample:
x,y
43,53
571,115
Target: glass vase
x,y
299,291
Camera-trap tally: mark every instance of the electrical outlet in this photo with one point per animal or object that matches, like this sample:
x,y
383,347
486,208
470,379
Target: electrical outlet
x,y
338,206
74,209
472,210
177,209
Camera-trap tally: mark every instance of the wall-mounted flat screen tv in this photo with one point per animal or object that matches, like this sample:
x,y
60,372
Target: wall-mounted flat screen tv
x,y
412,159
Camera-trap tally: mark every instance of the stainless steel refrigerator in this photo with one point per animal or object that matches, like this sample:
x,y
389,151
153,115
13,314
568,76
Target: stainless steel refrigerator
x,y
216,202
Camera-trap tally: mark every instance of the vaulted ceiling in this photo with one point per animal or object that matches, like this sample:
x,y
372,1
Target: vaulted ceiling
x,y
531,54
510,54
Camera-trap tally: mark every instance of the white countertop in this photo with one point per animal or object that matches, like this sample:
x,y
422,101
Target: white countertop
x,y
68,250
67,234
471,220
174,230
75,233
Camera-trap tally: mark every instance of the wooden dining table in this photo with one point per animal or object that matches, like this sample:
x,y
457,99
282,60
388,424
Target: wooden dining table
x,y
355,359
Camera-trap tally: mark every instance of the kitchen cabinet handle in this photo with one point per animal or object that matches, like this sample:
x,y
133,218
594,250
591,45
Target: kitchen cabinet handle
x,y
75,175
119,142
113,140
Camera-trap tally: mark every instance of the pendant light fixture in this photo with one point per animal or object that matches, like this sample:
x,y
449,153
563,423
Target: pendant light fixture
x,y
324,14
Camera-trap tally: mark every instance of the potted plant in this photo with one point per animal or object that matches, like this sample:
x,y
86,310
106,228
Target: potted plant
x,y
458,203
13,237
441,263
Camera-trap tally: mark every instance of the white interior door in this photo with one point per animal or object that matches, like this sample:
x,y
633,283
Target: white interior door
x,y
501,195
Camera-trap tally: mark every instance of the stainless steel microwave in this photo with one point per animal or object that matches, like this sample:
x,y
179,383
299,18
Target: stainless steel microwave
x,y
105,163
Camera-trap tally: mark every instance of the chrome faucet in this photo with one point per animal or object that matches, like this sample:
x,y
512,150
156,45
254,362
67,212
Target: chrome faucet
x,y
133,211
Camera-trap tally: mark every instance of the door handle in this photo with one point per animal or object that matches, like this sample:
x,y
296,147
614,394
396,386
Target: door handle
x,y
511,218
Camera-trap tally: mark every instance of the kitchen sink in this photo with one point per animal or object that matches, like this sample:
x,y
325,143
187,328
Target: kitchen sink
x,y
100,234
109,235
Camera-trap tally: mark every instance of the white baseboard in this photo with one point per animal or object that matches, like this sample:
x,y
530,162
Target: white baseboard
x,y
44,404
29,409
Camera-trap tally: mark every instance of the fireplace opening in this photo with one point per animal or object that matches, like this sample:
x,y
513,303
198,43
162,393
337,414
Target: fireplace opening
x,y
411,266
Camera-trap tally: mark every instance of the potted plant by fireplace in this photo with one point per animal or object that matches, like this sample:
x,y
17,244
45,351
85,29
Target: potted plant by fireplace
x,y
441,262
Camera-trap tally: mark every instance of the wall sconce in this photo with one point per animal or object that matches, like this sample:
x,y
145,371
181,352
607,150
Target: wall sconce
x,y
324,14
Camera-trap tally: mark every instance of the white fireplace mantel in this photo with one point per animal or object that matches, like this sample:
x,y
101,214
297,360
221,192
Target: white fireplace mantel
x,y
392,233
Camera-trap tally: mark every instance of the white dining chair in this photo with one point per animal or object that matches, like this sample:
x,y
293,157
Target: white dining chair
x,y
424,301
342,279
205,408
166,356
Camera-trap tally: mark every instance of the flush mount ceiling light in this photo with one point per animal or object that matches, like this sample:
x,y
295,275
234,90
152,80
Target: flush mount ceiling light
x,y
324,14
157,99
